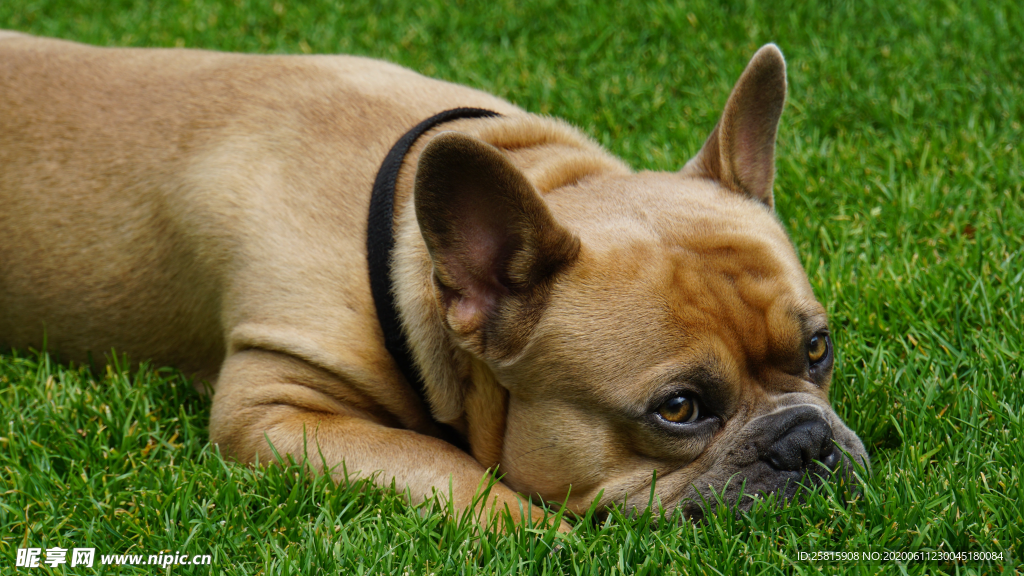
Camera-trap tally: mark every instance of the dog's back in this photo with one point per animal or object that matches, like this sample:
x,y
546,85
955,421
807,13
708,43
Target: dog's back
x,y
136,185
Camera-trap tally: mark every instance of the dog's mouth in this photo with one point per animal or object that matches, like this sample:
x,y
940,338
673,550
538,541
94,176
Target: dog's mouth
x,y
758,483
764,483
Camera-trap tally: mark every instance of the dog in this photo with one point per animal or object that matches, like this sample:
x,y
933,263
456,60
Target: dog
x,y
406,279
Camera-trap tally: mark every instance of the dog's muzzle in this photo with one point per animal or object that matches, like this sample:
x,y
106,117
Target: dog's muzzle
x,y
783,454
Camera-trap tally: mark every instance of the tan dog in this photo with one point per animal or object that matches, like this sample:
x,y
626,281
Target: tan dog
x,y
576,324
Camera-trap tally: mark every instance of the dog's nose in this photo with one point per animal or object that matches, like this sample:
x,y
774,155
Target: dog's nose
x,y
802,445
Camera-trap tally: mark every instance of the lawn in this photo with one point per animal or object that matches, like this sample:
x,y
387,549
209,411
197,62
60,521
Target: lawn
x,y
900,177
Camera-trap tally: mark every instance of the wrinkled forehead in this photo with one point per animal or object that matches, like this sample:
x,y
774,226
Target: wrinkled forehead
x,y
747,293
695,272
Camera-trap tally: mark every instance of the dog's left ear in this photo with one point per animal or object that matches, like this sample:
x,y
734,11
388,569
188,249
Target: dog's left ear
x,y
740,153
493,242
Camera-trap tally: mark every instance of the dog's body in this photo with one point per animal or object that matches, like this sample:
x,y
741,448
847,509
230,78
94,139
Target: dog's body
x,y
208,211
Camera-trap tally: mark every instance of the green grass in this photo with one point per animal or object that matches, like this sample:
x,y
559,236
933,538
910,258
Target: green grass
x,y
900,179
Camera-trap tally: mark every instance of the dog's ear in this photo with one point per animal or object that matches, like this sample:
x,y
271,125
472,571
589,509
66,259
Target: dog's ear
x,y
740,153
493,242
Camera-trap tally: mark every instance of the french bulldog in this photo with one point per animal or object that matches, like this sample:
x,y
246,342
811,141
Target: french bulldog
x,y
399,277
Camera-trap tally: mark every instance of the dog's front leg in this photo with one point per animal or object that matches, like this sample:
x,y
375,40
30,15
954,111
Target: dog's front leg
x,y
266,398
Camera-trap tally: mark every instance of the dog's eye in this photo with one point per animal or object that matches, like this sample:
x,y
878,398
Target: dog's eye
x,y
817,348
679,410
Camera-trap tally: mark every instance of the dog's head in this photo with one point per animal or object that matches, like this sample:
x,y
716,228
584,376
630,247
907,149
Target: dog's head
x,y
627,324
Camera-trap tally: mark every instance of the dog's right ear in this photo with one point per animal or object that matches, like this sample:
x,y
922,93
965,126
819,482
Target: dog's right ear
x,y
740,153
493,242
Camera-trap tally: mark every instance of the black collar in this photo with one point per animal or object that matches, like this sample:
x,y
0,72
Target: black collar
x,y
380,240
